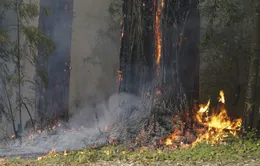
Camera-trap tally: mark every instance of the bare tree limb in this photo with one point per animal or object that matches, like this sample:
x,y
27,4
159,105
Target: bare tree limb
x,y
10,105
29,115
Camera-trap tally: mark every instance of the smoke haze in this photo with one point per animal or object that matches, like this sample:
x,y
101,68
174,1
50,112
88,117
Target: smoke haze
x,y
81,131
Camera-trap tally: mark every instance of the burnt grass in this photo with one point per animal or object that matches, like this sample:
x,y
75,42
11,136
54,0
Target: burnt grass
x,y
234,151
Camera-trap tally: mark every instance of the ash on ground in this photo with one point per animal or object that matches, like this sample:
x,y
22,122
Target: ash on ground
x,y
120,108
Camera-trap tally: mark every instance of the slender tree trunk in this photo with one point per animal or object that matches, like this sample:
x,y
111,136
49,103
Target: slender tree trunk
x,y
251,113
18,3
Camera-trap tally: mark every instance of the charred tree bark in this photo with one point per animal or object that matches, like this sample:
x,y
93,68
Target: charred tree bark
x,y
136,51
251,113
180,31
159,41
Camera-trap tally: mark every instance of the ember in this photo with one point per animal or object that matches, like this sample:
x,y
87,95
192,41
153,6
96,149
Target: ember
x,y
122,33
119,78
106,128
51,153
158,91
12,136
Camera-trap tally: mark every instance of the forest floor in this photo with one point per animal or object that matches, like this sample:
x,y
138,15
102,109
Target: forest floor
x,y
235,152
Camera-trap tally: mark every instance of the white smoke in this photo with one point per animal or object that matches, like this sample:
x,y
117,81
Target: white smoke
x,y
81,133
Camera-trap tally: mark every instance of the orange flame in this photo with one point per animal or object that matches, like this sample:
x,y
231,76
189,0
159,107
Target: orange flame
x,y
158,35
51,153
221,98
215,126
122,33
162,3
65,153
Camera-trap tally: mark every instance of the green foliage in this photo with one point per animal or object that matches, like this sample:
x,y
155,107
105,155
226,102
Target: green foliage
x,y
29,11
32,43
37,40
235,152
42,73
4,44
34,39
6,4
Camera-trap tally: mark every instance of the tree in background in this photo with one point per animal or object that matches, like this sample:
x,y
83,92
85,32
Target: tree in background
x,y
226,35
13,51
227,59
251,112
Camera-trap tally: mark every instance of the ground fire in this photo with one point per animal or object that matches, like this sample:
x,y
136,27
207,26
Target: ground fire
x,y
210,126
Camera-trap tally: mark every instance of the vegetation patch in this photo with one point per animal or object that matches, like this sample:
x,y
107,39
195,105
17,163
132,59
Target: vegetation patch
x,y
236,151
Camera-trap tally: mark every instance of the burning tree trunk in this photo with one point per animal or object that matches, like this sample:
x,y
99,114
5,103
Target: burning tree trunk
x,y
154,34
251,113
160,41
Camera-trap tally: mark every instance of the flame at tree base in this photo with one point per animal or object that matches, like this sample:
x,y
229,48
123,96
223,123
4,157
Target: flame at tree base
x,y
212,128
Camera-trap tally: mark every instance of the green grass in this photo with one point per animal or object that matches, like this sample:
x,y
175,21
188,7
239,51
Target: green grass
x,y
235,152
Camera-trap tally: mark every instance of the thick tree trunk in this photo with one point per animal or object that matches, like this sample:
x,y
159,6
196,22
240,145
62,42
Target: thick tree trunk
x,y
179,57
54,98
251,113
154,38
